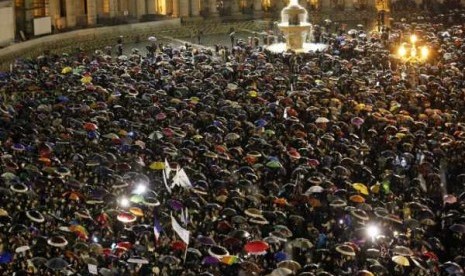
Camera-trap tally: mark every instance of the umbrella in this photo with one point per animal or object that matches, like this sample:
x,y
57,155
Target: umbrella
x,y
290,264
458,228
452,268
230,259
6,257
314,190
254,213
256,247
205,240
357,199
137,260
322,120
79,230
57,264
57,241
401,260
169,260
402,251
361,188
35,216
218,251
210,260
125,217
345,249
281,271
301,243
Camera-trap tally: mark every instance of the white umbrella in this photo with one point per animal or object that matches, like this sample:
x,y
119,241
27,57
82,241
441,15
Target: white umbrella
x,y
152,39
138,260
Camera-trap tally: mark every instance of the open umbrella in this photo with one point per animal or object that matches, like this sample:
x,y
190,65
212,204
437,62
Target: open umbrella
x,y
256,247
290,264
345,249
301,243
402,251
281,271
57,264
458,228
452,268
218,251
401,260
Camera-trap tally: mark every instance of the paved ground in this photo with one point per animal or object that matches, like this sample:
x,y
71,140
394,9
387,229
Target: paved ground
x,y
209,40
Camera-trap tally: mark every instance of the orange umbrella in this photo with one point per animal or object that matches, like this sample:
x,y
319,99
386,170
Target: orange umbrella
x,y
136,211
79,230
357,199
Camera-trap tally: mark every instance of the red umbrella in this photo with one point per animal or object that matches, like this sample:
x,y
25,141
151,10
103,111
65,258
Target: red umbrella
x,y
90,126
256,247
178,246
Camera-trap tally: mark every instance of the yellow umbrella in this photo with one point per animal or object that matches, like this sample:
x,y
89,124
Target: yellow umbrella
x,y
67,70
157,166
375,188
361,188
3,212
401,260
86,79
136,211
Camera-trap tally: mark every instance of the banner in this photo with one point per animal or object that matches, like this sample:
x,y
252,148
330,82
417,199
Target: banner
x,y
182,233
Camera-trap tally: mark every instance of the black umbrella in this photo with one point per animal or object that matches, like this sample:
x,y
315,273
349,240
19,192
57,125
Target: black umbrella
x,y
57,264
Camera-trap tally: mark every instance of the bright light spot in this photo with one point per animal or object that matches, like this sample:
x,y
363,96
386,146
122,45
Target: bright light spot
x,y
140,189
424,52
341,221
395,233
373,231
124,202
402,51
413,39
95,239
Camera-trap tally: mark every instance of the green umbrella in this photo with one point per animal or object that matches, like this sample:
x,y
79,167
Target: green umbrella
x,y
137,199
273,164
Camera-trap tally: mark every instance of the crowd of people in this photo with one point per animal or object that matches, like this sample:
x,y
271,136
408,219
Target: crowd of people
x,y
348,161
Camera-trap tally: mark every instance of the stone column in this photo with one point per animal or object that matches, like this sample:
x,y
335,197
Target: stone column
x,y
235,7
325,5
257,7
140,8
213,11
183,8
176,8
114,9
195,7
91,12
54,11
70,13
349,5
151,7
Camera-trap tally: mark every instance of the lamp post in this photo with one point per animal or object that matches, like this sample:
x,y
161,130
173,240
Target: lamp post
x,y
412,54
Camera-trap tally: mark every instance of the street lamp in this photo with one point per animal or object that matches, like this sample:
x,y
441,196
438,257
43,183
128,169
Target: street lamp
x,y
412,54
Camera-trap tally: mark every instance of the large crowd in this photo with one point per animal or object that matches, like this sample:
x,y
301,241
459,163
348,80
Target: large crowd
x,y
348,161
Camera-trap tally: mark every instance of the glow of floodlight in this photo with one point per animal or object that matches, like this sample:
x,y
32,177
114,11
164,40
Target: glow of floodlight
x,y
373,231
140,189
424,52
124,202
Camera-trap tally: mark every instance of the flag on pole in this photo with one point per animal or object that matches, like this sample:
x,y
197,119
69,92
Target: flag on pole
x,y
185,216
167,168
165,181
157,229
182,233
181,179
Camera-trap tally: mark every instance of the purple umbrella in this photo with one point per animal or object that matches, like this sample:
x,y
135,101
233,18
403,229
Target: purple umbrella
x,y
176,204
206,240
209,260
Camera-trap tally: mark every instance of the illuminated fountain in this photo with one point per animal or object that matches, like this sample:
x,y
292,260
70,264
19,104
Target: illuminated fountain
x,y
295,28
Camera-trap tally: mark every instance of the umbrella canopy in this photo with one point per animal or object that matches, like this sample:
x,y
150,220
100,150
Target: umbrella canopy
x,y
57,264
401,260
346,250
291,265
256,247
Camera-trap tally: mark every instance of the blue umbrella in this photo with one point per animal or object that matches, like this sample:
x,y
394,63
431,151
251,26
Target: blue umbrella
x,y
6,257
280,256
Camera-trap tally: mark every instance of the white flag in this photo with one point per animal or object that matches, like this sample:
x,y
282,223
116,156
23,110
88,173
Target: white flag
x,y
167,168
181,179
165,181
182,233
